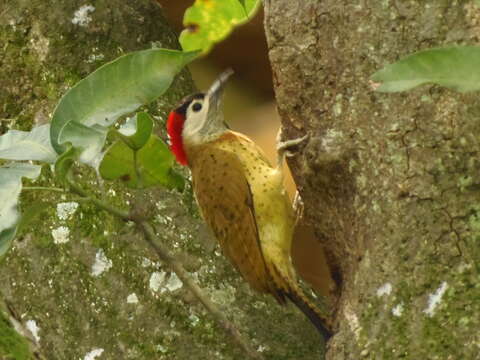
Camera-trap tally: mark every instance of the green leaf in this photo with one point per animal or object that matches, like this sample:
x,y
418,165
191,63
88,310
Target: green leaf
x,y
209,22
29,214
10,186
64,163
153,164
136,131
113,90
457,68
28,145
89,140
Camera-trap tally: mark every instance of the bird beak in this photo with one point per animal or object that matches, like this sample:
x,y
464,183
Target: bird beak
x,y
215,93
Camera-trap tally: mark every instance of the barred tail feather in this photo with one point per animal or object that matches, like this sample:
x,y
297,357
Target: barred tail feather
x,y
311,312
285,287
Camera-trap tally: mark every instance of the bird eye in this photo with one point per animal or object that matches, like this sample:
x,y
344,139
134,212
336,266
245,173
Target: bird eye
x,y
197,107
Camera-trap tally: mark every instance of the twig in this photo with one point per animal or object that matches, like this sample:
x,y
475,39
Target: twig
x,y
101,204
163,253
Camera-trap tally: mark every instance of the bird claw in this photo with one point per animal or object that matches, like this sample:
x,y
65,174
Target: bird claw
x,y
283,147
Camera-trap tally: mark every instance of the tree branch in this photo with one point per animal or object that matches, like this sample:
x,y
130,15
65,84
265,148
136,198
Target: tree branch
x,y
163,253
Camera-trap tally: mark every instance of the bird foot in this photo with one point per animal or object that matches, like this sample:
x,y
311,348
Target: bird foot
x,y
284,147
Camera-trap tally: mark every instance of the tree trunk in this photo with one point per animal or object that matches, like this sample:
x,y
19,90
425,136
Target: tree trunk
x,y
389,181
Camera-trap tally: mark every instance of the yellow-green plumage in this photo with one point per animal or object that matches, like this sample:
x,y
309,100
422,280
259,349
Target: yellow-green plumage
x,y
242,198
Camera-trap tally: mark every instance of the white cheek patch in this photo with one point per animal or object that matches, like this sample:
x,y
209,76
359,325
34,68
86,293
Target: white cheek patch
x,y
194,124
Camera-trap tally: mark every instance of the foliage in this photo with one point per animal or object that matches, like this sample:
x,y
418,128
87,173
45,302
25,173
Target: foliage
x,y
209,22
10,187
139,158
28,145
457,68
85,112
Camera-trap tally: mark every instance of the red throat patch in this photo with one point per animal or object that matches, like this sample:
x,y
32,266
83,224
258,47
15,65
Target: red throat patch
x,y
174,129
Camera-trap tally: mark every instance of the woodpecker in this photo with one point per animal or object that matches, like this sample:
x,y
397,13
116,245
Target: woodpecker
x,y
241,197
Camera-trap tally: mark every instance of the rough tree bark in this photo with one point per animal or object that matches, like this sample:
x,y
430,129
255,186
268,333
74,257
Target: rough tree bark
x,y
102,290
389,181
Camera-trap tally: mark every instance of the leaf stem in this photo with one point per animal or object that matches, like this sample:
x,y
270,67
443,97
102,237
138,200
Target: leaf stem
x,y
137,170
100,203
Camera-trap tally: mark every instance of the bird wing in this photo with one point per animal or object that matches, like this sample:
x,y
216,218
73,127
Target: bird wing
x,y
226,202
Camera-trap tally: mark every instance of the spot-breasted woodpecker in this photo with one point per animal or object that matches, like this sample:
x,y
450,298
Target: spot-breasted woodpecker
x,y
241,197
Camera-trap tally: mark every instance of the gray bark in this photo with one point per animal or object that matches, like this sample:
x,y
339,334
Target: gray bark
x,y
389,181
43,53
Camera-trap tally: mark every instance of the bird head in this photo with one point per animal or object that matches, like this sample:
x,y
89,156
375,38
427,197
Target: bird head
x,y
198,119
